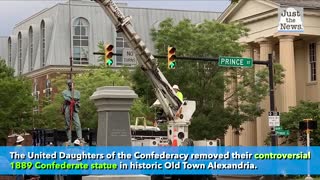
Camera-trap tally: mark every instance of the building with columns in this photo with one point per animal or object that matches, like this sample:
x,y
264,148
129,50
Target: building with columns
x,y
297,52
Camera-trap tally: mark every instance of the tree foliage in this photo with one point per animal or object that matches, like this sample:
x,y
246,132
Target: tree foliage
x,y
206,82
101,50
87,83
290,121
15,104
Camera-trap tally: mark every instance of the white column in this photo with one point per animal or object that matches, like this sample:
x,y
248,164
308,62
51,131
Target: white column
x,y
231,139
288,88
248,137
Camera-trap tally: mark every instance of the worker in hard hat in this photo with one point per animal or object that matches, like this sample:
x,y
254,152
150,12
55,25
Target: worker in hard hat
x,y
72,103
19,141
77,142
178,92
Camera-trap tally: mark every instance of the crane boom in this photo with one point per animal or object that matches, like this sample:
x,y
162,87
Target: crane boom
x,y
164,92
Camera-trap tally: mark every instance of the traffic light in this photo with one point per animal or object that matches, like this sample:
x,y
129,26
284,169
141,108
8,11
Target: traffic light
x,y
108,54
171,58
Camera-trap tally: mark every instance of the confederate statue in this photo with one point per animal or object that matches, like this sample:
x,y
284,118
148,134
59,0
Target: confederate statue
x,y
71,107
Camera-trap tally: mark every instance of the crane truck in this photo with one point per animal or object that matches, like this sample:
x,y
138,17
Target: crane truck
x,y
178,113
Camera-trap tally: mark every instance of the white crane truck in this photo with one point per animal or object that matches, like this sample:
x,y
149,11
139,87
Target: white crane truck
x,y
178,113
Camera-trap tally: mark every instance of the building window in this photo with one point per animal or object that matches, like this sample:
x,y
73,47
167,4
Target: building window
x,y
9,52
19,53
42,44
80,41
31,48
48,89
312,61
36,95
121,43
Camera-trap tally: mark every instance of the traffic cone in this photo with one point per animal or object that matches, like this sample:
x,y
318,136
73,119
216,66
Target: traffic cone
x,y
175,142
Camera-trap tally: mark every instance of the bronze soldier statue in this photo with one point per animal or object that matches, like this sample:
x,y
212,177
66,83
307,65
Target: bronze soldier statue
x,y
71,107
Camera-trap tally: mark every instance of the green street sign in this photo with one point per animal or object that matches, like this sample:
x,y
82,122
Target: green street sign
x,y
278,128
283,133
235,62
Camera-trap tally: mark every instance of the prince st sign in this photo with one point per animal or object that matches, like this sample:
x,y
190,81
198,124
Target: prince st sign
x,y
235,62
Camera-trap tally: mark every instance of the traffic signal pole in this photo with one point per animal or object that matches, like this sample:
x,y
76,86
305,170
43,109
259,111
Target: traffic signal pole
x,y
267,63
272,103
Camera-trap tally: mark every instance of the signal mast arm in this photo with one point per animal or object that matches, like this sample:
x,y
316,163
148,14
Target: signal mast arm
x,y
163,90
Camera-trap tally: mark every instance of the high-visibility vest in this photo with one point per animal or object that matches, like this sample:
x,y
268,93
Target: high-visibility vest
x,y
180,96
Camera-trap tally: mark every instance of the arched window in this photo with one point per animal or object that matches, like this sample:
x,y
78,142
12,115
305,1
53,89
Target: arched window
x,y
19,53
80,41
48,89
121,43
31,48
9,52
36,95
42,44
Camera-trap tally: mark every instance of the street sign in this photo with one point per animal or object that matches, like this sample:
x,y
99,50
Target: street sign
x,y
273,113
129,58
235,62
274,119
283,133
278,128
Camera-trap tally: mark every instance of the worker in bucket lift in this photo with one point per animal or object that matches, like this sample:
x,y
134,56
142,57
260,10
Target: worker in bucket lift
x,y
178,92
161,116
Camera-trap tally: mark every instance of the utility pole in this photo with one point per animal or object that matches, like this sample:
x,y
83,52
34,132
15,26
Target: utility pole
x,y
71,67
271,94
272,103
308,130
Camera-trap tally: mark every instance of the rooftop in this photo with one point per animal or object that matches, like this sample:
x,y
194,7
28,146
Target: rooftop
x,y
299,3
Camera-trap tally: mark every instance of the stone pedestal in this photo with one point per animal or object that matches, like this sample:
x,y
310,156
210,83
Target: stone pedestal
x,y
113,104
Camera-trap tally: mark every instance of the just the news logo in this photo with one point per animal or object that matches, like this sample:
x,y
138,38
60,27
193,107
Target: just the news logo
x,y
290,19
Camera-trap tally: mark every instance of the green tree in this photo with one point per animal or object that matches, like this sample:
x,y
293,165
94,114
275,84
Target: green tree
x,y
101,50
15,104
87,83
290,121
206,82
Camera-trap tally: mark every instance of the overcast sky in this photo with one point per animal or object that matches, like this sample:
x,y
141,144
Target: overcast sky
x,y
14,11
